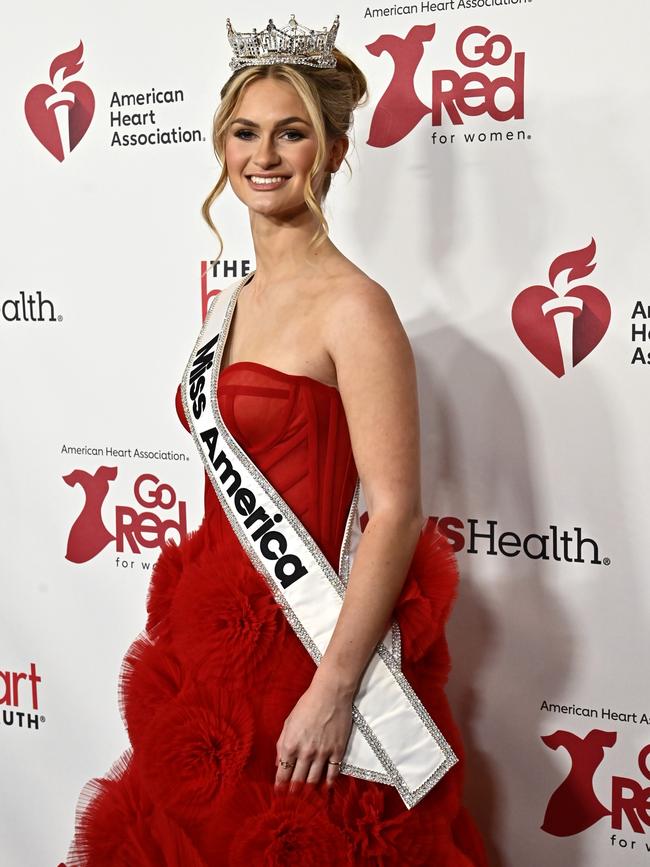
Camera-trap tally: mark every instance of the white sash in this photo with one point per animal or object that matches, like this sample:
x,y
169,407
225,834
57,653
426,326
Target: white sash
x,y
393,739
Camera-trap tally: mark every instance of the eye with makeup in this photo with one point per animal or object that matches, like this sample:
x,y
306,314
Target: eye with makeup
x,y
238,134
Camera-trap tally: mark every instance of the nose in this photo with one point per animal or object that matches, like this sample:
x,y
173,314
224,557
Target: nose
x,y
266,155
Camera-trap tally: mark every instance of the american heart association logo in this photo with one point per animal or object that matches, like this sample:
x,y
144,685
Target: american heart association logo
x,y
60,113
561,330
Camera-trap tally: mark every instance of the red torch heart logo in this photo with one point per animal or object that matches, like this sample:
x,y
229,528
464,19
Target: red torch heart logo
x,y
561,330
60,113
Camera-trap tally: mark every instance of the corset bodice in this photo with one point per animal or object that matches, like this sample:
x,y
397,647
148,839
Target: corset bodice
x,y
295,431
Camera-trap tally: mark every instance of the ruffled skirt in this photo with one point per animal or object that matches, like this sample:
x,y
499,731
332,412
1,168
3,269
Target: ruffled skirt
x,y
204,693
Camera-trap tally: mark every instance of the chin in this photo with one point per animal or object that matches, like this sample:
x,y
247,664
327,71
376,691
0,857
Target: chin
x,y
269,209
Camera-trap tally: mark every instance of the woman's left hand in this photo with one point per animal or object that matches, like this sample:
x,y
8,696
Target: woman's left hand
x,y
315,732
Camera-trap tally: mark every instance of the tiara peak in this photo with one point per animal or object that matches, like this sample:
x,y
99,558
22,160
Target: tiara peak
x,y
291,44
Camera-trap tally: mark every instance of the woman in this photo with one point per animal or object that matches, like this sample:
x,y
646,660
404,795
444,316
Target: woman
x,y
254,735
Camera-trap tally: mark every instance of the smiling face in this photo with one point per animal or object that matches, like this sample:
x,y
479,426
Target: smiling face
x,y
270,148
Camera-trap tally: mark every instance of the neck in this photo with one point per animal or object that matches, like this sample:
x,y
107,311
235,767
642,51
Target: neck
x,y
281,247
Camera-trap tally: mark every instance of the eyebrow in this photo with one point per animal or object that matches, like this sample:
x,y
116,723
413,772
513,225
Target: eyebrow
x,y
282,122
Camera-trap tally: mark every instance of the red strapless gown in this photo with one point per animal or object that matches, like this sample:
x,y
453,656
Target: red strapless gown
x,y
206,688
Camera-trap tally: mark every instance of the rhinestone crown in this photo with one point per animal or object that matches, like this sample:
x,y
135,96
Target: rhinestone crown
x,y
291,44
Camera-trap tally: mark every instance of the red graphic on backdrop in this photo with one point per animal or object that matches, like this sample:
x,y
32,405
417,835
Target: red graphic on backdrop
x,y
19,699
134,528
400,110
88,535
60,113
573,806
561,330
12,688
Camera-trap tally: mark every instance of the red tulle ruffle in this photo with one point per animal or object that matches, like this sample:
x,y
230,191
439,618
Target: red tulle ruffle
x,y
279,828
118,825
225,619
150,677
196,748
379,834
174,559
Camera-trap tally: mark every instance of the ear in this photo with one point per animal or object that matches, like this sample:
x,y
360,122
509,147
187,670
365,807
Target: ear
x,y
338,150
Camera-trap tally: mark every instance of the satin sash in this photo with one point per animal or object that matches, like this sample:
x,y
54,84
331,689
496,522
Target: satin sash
x,y
393,739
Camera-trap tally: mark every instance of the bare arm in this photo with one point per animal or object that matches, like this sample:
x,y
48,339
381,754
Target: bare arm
x,y
376,377
377,380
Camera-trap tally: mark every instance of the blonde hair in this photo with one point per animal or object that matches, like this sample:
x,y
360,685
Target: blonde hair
x,y
330,97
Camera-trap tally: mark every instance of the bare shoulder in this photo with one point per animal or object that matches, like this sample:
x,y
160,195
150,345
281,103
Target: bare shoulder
x,y
356,292
360,321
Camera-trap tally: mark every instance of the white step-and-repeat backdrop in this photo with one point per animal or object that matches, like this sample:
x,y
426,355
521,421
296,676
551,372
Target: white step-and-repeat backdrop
x,y
500,192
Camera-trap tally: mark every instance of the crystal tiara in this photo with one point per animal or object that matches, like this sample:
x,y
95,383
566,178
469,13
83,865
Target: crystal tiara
x,y
291,44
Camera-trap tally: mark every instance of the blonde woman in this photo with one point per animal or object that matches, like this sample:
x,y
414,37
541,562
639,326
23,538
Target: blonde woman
x,y
285,704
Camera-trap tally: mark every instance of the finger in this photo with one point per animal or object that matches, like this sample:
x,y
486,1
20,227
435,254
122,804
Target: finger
x,y
283,774
332,770
300,772
316,768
